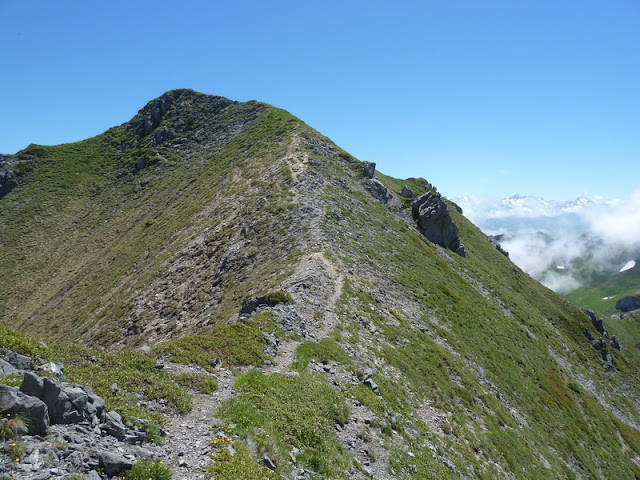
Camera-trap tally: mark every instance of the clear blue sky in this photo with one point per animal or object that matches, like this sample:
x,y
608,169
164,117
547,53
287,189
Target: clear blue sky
x,y
479,97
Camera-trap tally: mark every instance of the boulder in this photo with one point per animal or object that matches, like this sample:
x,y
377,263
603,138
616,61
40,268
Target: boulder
x,y
56,400
6,368
7,182
13,401
95,403
368,169
21,362
435,222
32,385
112,424
628,304
113,464
378,191
615,343
596,322
408,193
250,305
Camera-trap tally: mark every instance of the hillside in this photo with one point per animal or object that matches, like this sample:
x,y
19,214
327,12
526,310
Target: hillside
x,y
370,352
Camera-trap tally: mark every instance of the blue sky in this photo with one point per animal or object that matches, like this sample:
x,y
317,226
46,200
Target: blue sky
x,y
479,97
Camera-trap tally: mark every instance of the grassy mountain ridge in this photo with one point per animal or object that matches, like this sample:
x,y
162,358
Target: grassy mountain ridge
x,y
154,232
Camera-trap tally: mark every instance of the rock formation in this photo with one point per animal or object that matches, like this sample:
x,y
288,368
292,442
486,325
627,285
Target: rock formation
x,y
628,304
435,222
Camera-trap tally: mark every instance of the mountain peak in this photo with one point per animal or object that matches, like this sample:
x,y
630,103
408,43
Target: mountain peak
x,y
235,239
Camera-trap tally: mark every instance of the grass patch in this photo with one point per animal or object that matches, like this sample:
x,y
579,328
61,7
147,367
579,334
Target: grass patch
x,y
129,377
241,343
299,410
149,470
325,350
196,381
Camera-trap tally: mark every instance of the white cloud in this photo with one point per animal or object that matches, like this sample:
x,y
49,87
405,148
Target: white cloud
x,y
541,235
617,221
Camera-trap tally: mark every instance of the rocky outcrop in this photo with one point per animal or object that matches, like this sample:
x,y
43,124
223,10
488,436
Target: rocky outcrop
x,y
408,193
368,169
55,412
615,343
378,191
628,304
435,222
596,322
250,305
8,181
13,403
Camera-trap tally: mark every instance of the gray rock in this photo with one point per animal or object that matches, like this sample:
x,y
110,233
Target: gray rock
x,y
78,397
8,181
615,343
372,385
113,464
32,385
96,402
267,462
589,335
21,362
13,401
57,401
93,475
56,368
368,169
408,193
250,305
435,222
378,190
628,304
6,368
596,322
112,424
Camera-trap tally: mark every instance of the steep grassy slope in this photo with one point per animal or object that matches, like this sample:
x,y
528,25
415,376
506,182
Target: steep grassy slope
x,y
89,228
396,357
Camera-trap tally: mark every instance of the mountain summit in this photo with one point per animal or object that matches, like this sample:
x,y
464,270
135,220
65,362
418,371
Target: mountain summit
x,y
357,325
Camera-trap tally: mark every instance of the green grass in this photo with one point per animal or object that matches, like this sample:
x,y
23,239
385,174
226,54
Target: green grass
x,y
241,343
327,349
200,382
84,233
149,470
471,356
133,374
418,185
291,410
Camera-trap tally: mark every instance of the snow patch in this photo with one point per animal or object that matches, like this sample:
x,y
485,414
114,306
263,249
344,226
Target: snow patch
x,y
628,266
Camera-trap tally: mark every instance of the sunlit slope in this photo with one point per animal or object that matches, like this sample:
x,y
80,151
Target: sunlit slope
x,y
89,231
159,229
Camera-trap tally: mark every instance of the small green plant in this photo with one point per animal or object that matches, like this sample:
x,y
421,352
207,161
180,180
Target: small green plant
x,y
16,450
11,426
148,470
197,381
232,460
11,379
279,296
575,386
154,433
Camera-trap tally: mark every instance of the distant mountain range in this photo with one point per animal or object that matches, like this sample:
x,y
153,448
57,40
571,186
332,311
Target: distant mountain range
x,y
555,242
